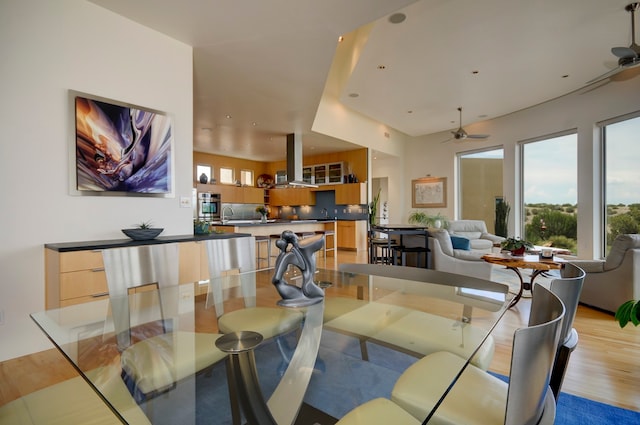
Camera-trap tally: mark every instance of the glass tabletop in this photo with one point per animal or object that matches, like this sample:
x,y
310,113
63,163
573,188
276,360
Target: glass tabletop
x,y
157,361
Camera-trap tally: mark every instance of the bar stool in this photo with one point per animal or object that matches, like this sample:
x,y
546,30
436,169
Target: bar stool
x,y
384,248
400,252
260,241
326,234
272,241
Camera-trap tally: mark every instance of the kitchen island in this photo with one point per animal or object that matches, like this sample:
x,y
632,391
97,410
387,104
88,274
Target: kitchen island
x,y
276,227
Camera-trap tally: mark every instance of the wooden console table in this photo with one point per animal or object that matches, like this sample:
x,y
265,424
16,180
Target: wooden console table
x,y
533,262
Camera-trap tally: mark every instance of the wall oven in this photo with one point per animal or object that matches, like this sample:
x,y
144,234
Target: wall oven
x,y
209,206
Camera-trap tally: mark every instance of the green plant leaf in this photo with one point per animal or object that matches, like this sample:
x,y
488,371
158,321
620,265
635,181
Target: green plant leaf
x,y
628,311
635,314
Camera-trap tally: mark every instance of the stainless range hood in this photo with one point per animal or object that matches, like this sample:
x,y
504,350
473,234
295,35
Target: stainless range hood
x,y
294,161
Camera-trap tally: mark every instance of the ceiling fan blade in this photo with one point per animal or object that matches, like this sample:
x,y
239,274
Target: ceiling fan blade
x,y
605,75
477,136
624,52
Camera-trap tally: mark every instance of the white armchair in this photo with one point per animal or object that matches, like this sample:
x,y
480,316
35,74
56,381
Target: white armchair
x,y
445,258
476,231
614,280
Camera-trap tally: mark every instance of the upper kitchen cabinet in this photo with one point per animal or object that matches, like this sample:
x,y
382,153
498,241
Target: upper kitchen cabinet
x,y
230,194
291,197
351,194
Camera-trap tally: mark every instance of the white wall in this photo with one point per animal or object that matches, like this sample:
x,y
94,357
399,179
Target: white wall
x,y
48,48
580,110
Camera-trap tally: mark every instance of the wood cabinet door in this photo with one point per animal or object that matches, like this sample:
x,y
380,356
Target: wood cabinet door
x,y
351,194
253,195
189,262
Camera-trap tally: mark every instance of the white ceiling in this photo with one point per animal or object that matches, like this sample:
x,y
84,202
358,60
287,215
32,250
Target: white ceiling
x,y
264,63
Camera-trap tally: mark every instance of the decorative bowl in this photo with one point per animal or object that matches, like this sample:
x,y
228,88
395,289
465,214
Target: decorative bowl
x,y
142,234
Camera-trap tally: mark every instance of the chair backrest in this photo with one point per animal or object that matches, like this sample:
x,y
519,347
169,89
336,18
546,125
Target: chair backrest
x,y
534,350
131,267
225,254
568,289
472,229
619,247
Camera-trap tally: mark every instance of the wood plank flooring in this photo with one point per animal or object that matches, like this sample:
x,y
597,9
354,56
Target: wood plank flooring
x,y
605,366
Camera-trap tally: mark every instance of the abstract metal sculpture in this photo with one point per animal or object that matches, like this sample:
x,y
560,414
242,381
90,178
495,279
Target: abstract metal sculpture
x,y
302,256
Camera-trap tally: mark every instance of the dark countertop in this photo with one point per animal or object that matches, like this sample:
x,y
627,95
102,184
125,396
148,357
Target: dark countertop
x,y
271,222
119,243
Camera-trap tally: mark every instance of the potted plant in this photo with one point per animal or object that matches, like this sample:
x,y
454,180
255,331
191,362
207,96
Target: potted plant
x,y
517,246
502,217
420,217
373,208
143,231
201,227
262,210
628,312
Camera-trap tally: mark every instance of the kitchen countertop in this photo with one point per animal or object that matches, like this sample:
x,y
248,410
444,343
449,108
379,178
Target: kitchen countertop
x,y
246,223
118,243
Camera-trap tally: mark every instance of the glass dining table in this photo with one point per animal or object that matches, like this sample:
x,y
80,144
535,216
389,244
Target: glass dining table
x,y
347,349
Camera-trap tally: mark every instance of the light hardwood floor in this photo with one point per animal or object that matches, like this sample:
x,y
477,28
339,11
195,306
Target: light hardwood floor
x,y
605,367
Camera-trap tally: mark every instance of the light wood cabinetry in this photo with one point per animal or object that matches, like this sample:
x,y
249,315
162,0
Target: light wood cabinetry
x,y
74,278
78,276
230,194
351,194
292,197
352,235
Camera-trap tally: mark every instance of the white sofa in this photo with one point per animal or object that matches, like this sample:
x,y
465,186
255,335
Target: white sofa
x,y
445,258
614,280
477,233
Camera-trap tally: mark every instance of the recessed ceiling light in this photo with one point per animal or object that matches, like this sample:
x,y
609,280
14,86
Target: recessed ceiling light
x,y
254,123
353,95
565,76
475,72
409,112
340,39
397,18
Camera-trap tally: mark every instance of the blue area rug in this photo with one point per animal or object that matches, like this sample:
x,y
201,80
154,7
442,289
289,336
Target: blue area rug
x,y
574,410
340,382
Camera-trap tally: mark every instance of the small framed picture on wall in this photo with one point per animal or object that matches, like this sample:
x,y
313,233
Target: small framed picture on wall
x,y
429,192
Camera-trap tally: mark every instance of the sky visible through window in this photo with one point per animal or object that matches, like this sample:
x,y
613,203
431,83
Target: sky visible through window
x,y
623,152
551,171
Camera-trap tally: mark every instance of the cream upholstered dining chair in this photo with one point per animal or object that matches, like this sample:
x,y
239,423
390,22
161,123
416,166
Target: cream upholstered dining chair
x,y
154,364
568,288
478,397
238,254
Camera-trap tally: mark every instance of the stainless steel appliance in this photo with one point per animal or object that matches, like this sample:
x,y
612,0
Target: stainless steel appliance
x,y
209,206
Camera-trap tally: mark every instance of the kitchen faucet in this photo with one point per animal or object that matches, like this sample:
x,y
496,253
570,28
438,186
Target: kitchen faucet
x,y
325,212
225,209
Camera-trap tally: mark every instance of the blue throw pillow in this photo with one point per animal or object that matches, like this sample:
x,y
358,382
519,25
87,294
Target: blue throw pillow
x,y
459,242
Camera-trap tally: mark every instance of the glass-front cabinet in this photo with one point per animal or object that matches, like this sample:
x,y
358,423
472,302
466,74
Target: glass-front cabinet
x,y
320,173
335,172
307,175
331,173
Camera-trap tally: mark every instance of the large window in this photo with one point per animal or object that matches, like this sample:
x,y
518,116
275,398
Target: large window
x,y
480,185
622,178
550,187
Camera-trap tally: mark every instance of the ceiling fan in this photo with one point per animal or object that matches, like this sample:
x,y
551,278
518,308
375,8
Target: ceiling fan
x,y
460,134
628,57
